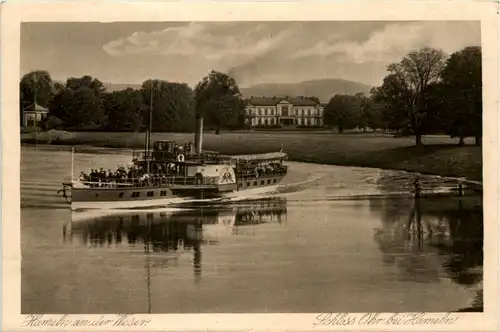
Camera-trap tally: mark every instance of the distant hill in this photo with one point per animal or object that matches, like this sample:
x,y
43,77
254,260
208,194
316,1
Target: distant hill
x,y
118,86
110,87
324,89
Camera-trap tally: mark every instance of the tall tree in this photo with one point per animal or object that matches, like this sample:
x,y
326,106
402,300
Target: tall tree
x,y
124,110
79,109
370,115
86,81
80,103
343,112
462,80
390,98
35,86
219,101
413,74
173,105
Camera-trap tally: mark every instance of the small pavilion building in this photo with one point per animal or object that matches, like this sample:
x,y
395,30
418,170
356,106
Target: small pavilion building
x,y
33,115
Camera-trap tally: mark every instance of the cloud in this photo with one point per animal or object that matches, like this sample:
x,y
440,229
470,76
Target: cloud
x,y
225,43
395,40
292,51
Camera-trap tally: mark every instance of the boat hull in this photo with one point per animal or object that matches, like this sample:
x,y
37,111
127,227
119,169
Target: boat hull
x,y
143,197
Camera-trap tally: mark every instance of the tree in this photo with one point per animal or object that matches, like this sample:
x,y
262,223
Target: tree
x,y
433,105
80,104
34,86
342,111
411,77
390,98
124,109
173,105
463,89
81,108
219,101
371,114
86,81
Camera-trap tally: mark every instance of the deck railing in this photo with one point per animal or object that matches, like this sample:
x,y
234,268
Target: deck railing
x,y
158,181
170,156
275,172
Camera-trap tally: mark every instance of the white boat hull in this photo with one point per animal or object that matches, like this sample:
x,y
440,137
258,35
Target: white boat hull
x,y
133,204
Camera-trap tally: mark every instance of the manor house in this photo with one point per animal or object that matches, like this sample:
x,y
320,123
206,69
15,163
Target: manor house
x,y
283,111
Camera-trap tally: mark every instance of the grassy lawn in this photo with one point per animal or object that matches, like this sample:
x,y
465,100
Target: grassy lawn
x,y
439,155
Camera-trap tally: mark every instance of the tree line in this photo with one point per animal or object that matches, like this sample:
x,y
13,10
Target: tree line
x,y
426,92
84,103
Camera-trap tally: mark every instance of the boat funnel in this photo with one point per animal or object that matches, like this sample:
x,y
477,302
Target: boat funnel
x,y
198,135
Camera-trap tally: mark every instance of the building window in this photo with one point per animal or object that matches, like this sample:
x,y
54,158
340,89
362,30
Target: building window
x,y
261,182
274,180
135,194
268,181
248,184
255,183
121,195
163,193
151,193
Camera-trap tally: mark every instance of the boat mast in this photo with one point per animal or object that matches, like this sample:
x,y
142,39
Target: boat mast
x,y
149,129
35,81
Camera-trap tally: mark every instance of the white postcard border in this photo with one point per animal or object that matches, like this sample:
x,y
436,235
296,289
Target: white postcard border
x,y
12,14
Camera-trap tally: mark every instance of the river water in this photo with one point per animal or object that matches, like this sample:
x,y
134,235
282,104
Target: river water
x,y
333,239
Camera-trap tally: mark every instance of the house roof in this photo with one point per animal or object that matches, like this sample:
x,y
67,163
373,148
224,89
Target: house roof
x,y
259,157
264,101
301,101
272,101
36,108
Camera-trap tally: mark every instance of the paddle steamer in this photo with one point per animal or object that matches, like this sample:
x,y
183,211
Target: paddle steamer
x,y
168,173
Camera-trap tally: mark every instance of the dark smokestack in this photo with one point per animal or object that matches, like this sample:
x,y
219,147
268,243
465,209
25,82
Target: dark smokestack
x,y
198,134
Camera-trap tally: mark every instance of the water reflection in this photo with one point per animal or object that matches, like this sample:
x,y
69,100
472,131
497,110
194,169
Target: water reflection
x,y
185,229
424,235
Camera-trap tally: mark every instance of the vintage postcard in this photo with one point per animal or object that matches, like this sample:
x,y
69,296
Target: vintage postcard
x,y
250,166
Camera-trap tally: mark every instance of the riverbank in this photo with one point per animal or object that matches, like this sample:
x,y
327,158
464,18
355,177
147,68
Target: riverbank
x,y
439,155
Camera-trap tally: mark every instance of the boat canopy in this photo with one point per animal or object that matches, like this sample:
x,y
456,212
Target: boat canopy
x,y
259,157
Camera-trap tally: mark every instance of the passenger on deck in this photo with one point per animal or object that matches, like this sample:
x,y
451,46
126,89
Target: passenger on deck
x,y
83,176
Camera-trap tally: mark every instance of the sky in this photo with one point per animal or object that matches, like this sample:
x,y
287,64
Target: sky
x,y
251,52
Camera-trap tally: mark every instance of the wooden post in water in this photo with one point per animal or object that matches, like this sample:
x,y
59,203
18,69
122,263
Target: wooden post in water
x,y
72,163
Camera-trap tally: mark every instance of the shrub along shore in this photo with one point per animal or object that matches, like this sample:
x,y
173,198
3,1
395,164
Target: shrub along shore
x,y
439,155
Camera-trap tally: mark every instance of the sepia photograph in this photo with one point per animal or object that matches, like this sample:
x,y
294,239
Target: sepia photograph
x,y
253,167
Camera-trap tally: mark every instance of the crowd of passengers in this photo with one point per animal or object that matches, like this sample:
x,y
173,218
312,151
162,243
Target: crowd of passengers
x,y
132,174
159,174
269,169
